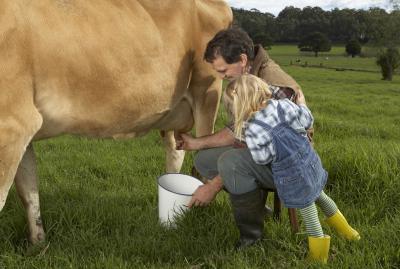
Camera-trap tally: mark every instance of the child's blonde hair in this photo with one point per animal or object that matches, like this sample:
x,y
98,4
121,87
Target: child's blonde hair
x,y
249,94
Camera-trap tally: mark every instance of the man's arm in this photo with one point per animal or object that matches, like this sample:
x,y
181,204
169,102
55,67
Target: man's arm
x,y
222,138
206,193
303,113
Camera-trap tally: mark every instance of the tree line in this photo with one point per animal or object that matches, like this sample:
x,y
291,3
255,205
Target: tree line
x,y
374,26
314,29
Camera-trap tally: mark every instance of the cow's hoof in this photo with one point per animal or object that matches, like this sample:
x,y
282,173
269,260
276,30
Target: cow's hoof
x,y
37,249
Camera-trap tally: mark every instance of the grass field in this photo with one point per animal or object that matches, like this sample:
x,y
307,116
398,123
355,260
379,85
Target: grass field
x,y
336,58
99,197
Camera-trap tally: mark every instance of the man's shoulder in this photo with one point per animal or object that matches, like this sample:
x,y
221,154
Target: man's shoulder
x,y
274,75
260,61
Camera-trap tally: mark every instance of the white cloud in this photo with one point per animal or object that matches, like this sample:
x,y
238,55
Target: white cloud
x,y
276,6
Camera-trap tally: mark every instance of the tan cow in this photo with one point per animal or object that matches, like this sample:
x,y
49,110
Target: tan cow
x,y
115,68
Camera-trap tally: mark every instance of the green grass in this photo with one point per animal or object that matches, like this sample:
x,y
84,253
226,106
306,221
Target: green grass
x,y
336,58
99,197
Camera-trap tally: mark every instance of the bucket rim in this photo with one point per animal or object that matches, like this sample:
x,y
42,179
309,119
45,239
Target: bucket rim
x,y
158,182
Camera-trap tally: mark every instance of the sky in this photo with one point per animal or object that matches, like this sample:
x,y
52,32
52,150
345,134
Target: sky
x,y
276,6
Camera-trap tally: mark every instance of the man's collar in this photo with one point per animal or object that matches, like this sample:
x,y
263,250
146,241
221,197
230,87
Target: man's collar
x,y
261,56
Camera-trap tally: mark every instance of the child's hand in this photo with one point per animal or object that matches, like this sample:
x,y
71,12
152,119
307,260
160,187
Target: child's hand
x,y
300,99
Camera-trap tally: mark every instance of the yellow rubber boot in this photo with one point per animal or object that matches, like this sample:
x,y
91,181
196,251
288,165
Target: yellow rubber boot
x,y
318,248
339,223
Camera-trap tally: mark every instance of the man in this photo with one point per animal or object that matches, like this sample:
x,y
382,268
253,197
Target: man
x,y
223,159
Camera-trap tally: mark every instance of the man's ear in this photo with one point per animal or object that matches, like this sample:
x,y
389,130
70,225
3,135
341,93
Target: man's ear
x,y
243,60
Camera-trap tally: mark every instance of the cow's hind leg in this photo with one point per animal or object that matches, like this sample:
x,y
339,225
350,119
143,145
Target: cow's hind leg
x,y
15,135
19,122
26,184
174,158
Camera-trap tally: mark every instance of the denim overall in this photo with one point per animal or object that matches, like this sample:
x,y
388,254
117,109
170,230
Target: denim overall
x,y
297,169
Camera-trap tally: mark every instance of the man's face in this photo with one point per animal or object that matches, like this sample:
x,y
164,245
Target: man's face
x,y
229,71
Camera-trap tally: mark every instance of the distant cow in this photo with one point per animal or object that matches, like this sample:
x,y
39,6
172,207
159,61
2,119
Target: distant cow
x,y
115,68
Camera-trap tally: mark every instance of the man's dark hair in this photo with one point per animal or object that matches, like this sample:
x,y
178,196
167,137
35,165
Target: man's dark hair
x,y
229,44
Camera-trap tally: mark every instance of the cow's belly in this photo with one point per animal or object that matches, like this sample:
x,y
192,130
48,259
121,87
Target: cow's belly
x,y
109,72
120,116
108,98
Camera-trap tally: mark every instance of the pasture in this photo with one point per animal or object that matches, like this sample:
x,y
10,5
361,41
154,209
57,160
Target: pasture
x,y
335,58
99,197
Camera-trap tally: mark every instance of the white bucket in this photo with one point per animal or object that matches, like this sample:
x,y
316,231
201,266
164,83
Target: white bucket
x,y
174,194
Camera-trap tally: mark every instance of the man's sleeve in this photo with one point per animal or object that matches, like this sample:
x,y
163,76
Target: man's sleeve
x,y
272,73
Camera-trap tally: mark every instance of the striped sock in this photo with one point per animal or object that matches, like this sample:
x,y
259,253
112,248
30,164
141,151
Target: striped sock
x,y
311,221
326,204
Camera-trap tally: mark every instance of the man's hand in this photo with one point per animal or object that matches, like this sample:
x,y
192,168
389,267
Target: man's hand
x,y
222,138
186,142
206,193
300,99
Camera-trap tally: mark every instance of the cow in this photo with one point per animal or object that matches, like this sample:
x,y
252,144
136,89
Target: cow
x,y
107,69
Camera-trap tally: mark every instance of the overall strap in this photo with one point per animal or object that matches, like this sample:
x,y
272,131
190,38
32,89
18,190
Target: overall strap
x,y
262,124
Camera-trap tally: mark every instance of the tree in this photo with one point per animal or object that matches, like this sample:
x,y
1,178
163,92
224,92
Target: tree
x,y
316,42
287,22
270,26
345,24
313,19
254,23
353,47
380,33
388,60
263,39
362,22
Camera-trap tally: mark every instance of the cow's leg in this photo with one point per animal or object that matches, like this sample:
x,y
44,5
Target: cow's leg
x,y
19,120
206,90
15,135
174,158
26,184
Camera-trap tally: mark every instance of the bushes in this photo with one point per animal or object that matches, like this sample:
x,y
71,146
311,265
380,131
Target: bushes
x,y
388,60
353,47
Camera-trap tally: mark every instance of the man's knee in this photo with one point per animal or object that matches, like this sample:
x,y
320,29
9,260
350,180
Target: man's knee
x,y
226,163
198,160
240,174
236,180
205,165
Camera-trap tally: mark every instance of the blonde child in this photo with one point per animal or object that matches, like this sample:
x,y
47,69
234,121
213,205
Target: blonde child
x,y
275,133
